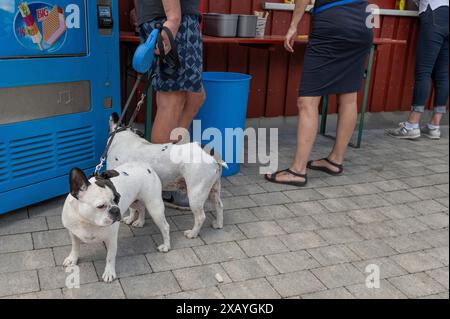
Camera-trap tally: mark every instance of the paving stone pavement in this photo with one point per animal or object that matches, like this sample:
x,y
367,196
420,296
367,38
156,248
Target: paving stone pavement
x,y
389,209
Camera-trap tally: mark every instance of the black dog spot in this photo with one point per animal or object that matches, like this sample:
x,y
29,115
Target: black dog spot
x,y
125,173
165,148
117,159
104,180
149,171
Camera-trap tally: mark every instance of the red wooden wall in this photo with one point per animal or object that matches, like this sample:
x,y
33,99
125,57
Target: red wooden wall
x,y
276,74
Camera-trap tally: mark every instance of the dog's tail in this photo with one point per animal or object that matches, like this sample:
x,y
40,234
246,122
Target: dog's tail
x,y
215,155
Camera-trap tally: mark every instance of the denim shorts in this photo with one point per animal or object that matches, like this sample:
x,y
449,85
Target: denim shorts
x,y
190,51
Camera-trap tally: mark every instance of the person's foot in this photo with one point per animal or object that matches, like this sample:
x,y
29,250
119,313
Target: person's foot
x,y
402,132
176,199
288,177
327,166
433,133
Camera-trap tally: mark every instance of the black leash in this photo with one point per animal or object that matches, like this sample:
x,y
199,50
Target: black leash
x,y
169,61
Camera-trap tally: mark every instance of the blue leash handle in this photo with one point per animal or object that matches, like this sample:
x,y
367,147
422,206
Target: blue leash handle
x,y
145,53
333,4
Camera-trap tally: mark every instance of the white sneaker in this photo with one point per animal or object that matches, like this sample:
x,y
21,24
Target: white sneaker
x,y
402,132
434,134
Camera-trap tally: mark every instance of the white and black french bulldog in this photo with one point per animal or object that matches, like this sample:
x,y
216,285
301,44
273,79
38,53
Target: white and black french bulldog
x,y
94,208
187,166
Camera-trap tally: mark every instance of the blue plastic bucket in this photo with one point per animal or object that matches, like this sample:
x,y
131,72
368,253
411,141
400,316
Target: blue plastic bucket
x,y
225,109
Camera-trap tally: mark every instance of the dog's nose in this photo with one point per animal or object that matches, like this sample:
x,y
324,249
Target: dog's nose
x,y
114,212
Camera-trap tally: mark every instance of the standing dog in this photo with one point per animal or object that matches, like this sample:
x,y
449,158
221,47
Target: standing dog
x,y
94,207
174,163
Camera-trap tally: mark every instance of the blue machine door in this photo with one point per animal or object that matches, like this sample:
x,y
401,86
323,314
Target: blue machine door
x,y
59,82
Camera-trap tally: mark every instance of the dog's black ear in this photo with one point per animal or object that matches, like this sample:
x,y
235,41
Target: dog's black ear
x,y
113,122
109,174
78,182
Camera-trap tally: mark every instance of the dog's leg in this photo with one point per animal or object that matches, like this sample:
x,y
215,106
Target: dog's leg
x,y
156,211
110,269
215,192
72,259
137,211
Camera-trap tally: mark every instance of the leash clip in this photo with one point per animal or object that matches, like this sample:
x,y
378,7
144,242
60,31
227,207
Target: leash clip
x,y
99,167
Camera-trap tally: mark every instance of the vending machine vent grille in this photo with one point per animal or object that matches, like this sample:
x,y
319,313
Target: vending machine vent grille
x,y
3,164
75,146
32,155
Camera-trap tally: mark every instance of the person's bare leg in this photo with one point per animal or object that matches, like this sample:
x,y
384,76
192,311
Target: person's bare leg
x,y
436,119
414,117
348,115
194,102
308,123
170,108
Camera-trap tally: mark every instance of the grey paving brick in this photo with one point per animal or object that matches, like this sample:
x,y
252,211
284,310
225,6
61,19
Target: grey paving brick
x,y
19,214
292,261
417,285
386,291
427,192
440,275
440,253
331,220
18,283
135,246
366,216
444,187
407,225
15,243
261,229
46,294
205,293
249,189
13,227
296,283
220,252
307,208
304,240
51,238
418,181
407,243
51,207
332,255
27,260
435,221
126,266
88,252
266,199
388,268
339,275
228,233
436,238
370,249
262,246
400,197
417,262
251,268
239,216
54,222
398,211
151,229
178,240
97,290
199,277
298,224
303,195
375,230
238,202
339,235
391,185
443,201
150,286
174,259
337,293
339,204
274,212
426,207
55,277
250,289
186,221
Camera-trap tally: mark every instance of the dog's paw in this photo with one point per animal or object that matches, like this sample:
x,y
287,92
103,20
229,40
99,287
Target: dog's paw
x,y
217,225
163,248
190,234
70,261
128,220
109,275
138,223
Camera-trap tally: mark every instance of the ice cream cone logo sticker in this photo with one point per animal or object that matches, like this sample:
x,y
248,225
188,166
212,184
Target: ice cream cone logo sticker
x,y
40,26
31,28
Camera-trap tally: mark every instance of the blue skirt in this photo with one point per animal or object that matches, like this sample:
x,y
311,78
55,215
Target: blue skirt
x,y
337,51
190,51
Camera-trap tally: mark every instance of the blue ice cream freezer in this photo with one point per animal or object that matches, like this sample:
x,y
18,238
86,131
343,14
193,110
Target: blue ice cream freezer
x,y
59,82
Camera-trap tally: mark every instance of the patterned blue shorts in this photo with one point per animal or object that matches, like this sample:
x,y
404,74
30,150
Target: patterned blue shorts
x,y
190,51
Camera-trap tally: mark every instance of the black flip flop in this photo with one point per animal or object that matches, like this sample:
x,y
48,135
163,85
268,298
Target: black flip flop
x,y
326,169
273,178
